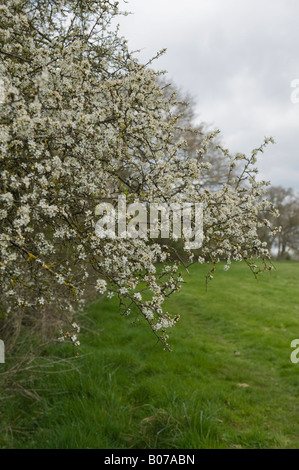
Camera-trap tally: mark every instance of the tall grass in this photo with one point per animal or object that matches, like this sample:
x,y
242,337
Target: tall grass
x,y
229,382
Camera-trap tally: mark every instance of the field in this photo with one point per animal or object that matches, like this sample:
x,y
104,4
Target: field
x,y
228,383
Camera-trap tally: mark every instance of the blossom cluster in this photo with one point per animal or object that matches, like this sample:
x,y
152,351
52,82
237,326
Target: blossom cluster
x,y
82,122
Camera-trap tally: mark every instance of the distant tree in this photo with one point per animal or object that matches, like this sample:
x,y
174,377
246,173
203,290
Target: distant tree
x,y
286,241
193,133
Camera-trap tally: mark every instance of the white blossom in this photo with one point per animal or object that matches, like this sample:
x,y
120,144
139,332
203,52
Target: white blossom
x,y
83,121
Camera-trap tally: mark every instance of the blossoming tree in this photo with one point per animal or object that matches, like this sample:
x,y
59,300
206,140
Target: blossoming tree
x,y
82,121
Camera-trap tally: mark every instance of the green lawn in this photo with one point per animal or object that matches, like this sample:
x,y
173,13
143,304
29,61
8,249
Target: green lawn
x,y
228,383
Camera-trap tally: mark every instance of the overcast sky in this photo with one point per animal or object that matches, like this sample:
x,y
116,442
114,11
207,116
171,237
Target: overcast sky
x,y
238,59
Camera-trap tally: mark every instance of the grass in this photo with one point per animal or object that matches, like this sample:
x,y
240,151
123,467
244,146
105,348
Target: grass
x,y
229,382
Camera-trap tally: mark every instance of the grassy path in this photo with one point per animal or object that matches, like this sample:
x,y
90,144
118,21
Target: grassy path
x,y
228,383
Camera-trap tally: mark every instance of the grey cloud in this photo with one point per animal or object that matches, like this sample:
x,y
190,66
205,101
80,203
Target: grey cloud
x,y
238,60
